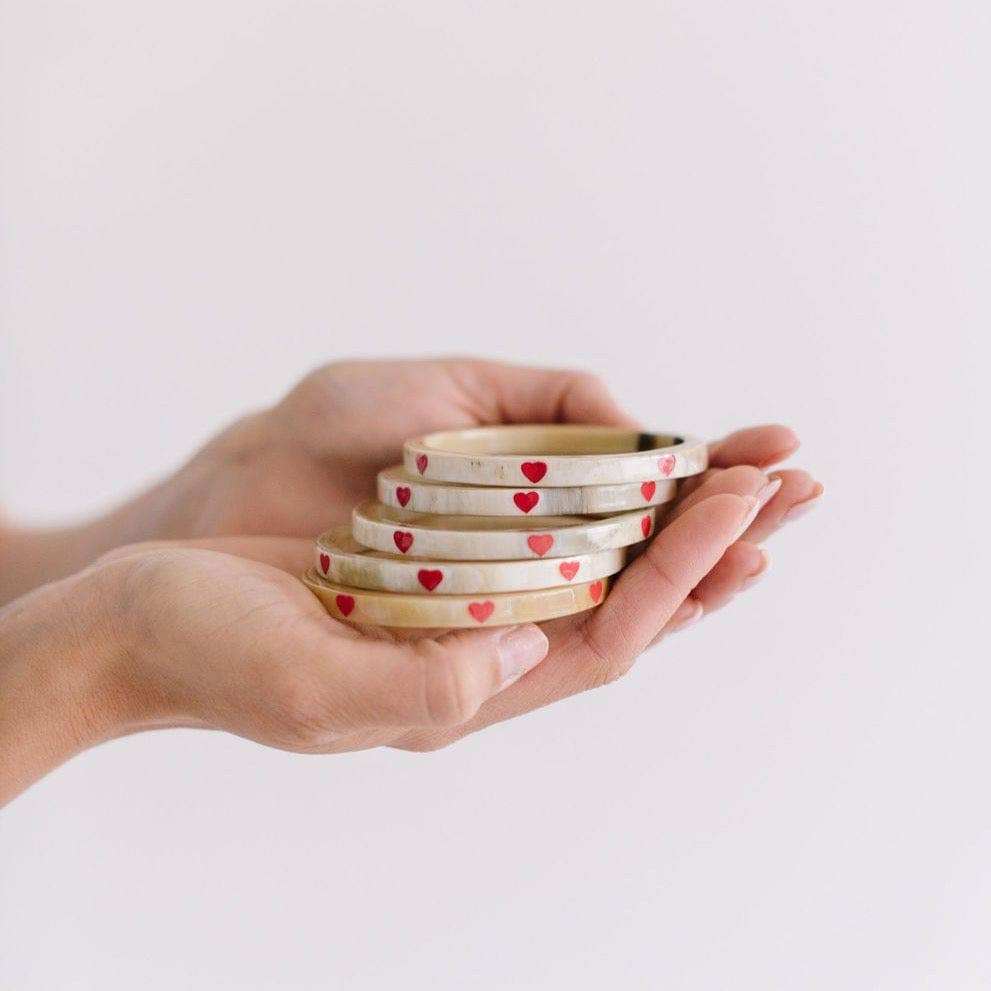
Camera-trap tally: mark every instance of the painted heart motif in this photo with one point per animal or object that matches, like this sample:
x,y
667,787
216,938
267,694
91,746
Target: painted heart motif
x,y
540,543
346,604
595,591
402,494
645,525
569,569
429,578
647,490
666,464
480,611
534,470
403,540
324,562
421,463
526,500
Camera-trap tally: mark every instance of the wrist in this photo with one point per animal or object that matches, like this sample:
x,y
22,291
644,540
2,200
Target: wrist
x,y
60,689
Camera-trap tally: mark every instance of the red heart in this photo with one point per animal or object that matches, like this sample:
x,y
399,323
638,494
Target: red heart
x,y
324,562
569,569
404,540
421,463
534,470
647,490
430,579
526,500
595,591
346,604
666,464
540,543
645,524
402,494
480,611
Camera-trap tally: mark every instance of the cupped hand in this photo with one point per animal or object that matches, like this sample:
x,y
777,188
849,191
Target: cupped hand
x,y
300,466
219,632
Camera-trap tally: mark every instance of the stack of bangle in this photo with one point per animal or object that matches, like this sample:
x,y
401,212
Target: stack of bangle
x,y
500,525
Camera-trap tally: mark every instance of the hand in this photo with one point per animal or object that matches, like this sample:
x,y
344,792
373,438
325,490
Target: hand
x,y
221,634
299,467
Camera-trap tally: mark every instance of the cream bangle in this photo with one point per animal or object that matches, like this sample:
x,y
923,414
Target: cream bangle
x,y
561,455
340,559
355,605
495,538
399,489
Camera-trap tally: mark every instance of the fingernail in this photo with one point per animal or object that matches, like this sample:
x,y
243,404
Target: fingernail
x,y
801,508
755,576
520,649
760,500
689,613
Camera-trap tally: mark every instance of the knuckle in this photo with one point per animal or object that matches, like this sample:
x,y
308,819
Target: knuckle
x,y
605,667
300,720
448,688
669,585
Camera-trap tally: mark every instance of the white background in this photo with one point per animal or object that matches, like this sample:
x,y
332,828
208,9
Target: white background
x,y
735,212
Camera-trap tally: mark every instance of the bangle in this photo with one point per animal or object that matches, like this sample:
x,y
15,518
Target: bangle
x,y
356,605
340,559
401,490
495,538
560,455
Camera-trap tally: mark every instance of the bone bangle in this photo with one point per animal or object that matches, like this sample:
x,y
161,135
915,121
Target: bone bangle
x,y
401,490
355,605
495,538
559,455
339,558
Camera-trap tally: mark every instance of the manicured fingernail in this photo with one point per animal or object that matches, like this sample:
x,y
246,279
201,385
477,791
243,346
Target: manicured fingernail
x,y
760,500
520,649
806,506
689,612
755,576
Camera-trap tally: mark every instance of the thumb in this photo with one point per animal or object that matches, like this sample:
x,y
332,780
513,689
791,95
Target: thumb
x,y
440,681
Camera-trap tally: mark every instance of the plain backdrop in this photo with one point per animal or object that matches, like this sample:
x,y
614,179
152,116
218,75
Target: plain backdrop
x,y
737,213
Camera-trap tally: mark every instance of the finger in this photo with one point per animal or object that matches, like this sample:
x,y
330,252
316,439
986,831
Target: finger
x,y
655,585
428,682
742,480
798,494
738,569
291,554
518,394
758,446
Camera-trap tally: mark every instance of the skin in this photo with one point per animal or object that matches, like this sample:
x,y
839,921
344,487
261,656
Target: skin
x,y
204,624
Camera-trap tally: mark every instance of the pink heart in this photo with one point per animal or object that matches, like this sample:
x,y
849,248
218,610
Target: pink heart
x,y
403,540
595,591
346,604
324,562
421,463
540,543
402,494
645,525
430,579
569,569
666,464
526,500
647,490
534,470
480,611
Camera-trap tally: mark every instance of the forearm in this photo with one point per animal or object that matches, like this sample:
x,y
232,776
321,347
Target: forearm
x,y
33,556
58,665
